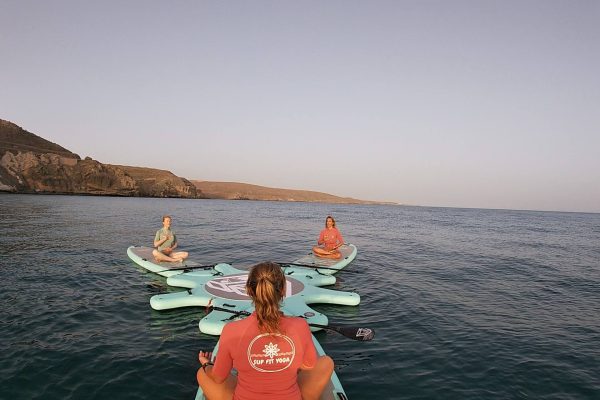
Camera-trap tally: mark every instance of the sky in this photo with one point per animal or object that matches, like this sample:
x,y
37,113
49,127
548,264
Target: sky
x,y
478,104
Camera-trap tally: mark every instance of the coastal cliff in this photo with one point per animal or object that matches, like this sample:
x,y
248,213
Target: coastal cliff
x,y
160,183
31,172
31,164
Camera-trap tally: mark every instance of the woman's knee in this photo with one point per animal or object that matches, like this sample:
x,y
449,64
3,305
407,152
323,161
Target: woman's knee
x,y
326,364
201,377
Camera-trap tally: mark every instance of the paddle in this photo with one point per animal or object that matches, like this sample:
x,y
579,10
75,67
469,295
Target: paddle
x,y
305,266
185,268
315,267
354,333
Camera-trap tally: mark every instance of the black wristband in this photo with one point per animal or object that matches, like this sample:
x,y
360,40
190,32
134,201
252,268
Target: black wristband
x,y
203,366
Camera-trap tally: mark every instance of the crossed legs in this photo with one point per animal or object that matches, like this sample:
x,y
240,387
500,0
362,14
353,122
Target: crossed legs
x,y
323,253
171,257
312,382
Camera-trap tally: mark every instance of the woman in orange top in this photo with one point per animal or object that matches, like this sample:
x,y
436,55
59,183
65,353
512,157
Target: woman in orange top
x,y
273,354
329,241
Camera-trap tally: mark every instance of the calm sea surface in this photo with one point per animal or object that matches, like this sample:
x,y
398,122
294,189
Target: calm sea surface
x,y
466,303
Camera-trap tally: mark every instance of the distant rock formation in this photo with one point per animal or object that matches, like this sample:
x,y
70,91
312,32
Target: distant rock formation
x,y
31,164
160,183
244,191
51,173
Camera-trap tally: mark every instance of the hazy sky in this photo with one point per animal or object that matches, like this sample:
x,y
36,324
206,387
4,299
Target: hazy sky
x,y
492,104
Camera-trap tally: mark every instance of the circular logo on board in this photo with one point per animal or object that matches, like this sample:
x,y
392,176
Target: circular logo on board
x,y
271,352
233,287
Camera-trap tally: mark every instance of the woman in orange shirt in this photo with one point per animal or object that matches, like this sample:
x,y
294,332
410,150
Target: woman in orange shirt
x,y
329,241
273,354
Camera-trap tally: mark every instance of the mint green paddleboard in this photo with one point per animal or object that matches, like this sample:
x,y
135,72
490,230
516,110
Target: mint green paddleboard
x,y
142,256
326,266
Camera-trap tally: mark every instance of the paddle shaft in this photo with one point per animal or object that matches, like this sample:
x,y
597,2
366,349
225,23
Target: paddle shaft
x,y
315,267
213,265
360,334
306,266
186,268
284,265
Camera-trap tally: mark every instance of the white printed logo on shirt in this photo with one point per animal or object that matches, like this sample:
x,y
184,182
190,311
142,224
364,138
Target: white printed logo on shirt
x,y
271,352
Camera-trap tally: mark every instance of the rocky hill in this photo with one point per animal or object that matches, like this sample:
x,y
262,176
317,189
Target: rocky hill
x,y
160,183
15,139
31,164
244,191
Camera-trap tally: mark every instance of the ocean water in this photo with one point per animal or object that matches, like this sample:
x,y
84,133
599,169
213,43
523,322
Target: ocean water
x,y
466,303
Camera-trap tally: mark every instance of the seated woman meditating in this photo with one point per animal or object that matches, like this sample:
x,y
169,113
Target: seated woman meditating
x,y
165,243
273,354
329,241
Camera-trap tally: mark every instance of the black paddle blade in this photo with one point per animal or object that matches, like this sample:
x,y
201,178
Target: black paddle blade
x,y
360,334
351,332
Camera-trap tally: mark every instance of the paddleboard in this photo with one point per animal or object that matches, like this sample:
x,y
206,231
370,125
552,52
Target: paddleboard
x,y
226,288
333,390
331,266
142,256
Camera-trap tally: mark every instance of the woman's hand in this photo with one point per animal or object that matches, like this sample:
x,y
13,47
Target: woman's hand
x,y
204,356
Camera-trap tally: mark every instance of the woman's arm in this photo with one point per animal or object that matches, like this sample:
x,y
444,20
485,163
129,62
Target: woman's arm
x,y
310,352
321,239
224,360
158,240
339,238
205,363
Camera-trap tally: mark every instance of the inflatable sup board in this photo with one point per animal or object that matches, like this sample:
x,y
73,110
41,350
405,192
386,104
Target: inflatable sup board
x,y
142,256
329,266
